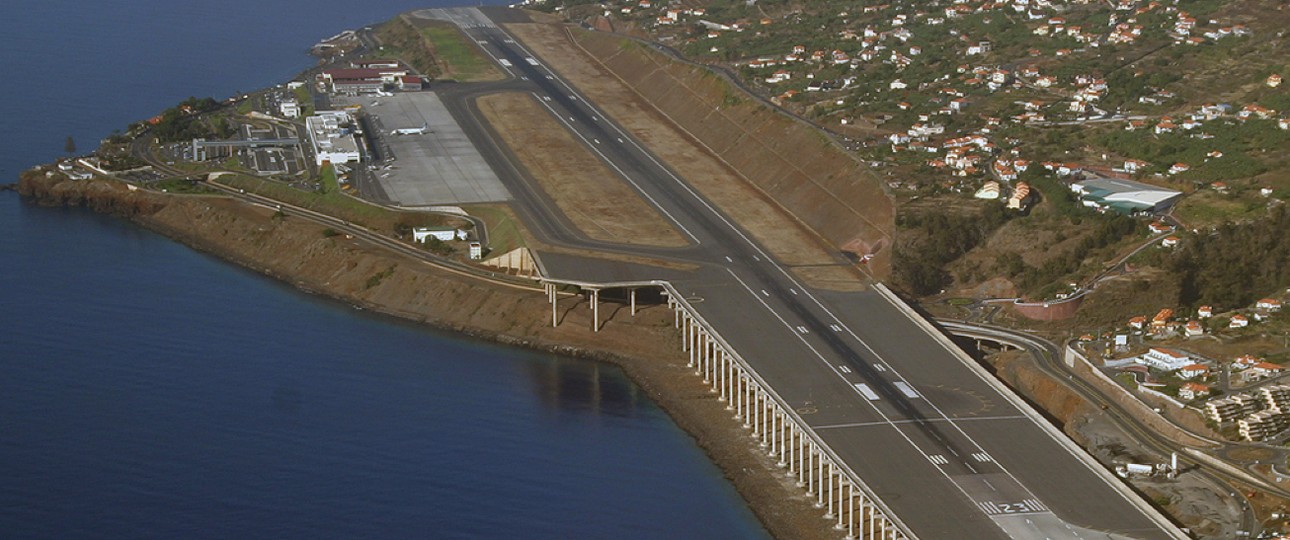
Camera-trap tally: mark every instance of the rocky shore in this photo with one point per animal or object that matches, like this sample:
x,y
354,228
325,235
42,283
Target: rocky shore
x,y
646,347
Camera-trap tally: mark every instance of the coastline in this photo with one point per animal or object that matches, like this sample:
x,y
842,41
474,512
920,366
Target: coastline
x,y
646,347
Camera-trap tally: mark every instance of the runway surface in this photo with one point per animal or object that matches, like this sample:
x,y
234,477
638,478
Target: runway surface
x,y
946,449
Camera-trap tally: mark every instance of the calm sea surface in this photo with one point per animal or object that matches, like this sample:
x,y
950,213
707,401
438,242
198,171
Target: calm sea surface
x,y
150,391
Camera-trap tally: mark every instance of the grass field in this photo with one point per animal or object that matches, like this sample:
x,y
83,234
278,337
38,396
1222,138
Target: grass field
x,y
503,229
331,201
596,199
459,58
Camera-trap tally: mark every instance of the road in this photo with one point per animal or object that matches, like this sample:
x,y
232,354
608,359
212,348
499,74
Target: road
x,y
1048,358
951,453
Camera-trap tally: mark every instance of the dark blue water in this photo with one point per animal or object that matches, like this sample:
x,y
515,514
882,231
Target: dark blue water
x,y
150,391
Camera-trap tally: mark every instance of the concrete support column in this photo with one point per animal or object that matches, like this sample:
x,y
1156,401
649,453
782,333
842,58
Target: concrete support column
x,y
842,490
738,395
873,524
828,514
776,437
595,310
819,482
810,469
851,511
554,298
786,448
747,397
801,460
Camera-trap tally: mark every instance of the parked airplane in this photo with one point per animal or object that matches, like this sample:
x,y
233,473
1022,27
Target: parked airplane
x,y
425,128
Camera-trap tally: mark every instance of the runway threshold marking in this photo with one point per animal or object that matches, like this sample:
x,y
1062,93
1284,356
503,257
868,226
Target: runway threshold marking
x,y
867,392
906,389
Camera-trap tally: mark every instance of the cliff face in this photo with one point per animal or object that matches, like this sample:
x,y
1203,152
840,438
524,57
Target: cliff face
x,y
647,346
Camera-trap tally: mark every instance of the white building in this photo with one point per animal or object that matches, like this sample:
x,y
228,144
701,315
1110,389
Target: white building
x,y
332,137
445,234
290,109
1165,359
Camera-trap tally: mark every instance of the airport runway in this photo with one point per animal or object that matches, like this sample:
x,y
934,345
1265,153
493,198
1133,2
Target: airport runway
x,y
942,446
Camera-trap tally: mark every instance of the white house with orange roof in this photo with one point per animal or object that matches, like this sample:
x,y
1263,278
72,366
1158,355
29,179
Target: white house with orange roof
x,y
1270,304
1191,390
1238,321
1193,371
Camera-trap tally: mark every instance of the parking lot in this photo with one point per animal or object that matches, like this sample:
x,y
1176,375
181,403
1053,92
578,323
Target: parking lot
x,y
423,167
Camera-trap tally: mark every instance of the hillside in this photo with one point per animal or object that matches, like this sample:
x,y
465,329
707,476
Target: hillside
x,y
961,107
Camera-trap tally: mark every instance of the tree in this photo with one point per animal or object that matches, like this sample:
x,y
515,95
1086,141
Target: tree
x,y
69,146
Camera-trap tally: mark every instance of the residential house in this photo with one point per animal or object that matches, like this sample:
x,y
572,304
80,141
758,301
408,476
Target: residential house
x,y
1191,390
1238,321
1169,241
1269,304
1194,329
1205,312
1162,317
1263,370
1193,371
1137,322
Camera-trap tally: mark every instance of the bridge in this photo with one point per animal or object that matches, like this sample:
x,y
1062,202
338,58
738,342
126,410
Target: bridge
x,y
896,432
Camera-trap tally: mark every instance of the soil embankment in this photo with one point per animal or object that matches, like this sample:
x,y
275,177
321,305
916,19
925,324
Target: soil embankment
x,y
300,252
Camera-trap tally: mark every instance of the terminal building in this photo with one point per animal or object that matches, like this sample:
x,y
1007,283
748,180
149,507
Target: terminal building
x,y
1124,196
332,135
362,80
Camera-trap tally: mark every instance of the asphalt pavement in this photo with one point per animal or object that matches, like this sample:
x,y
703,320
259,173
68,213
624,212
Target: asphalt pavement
x,y
949,451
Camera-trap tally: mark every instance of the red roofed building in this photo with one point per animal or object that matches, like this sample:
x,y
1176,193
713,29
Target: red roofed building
x,y
1190,391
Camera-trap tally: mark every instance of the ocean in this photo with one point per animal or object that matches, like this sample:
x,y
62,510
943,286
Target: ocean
x,y
150,391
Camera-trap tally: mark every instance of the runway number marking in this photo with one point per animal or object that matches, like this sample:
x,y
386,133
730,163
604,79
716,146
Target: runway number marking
x,y
938,459
867,392
1028,506
844,368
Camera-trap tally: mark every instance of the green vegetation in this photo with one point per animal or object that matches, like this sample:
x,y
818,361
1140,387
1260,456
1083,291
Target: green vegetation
x,y
503,229
919,265
439,247
183,185
305,100
377,278
460,57
435,48
330,232
187,121
331,201
1235,264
